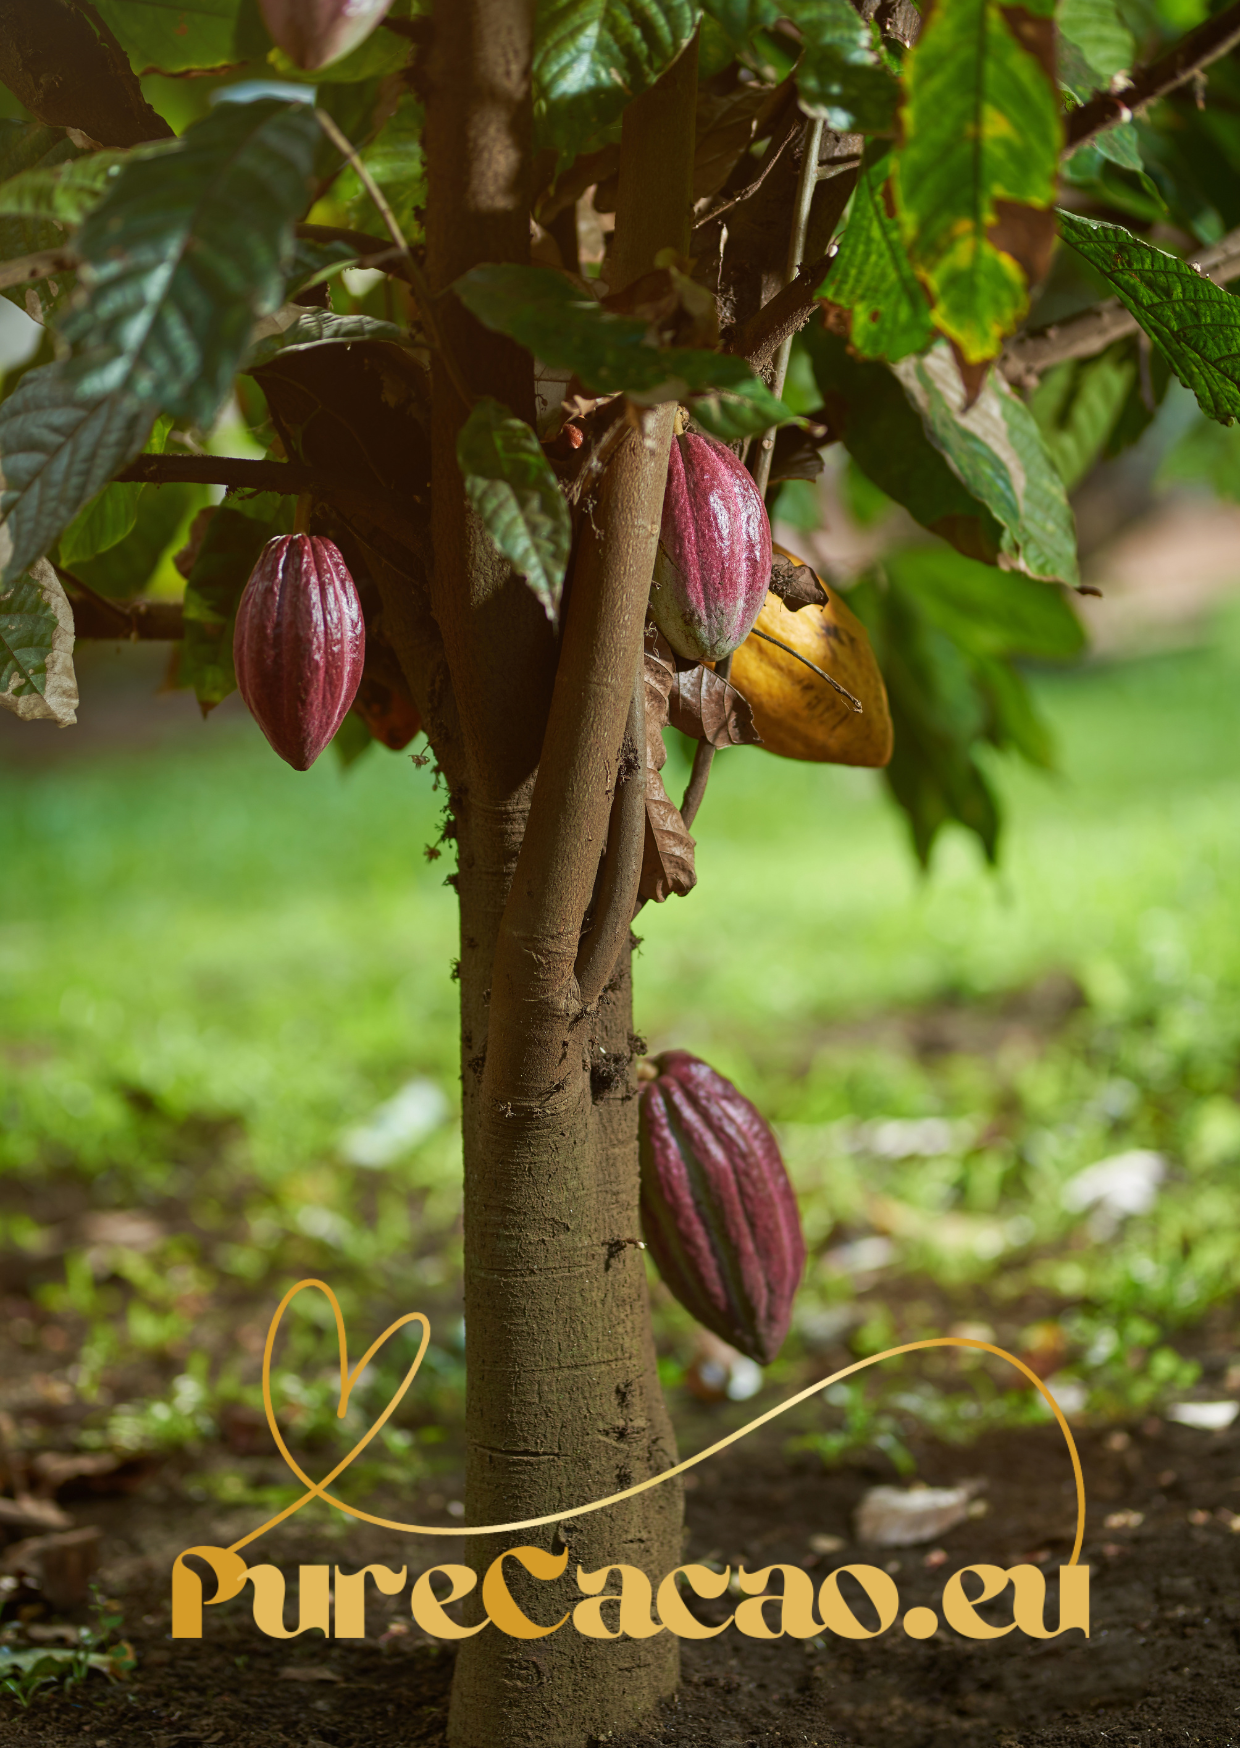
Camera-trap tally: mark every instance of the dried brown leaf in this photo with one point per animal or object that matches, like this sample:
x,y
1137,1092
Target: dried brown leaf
x,y
795,584
660,671
705,706
667,855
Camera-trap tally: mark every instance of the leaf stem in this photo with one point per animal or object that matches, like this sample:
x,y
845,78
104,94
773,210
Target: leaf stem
x,y
807,181
417,279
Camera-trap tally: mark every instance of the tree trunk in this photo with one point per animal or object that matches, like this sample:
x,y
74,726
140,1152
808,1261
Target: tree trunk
x,y
563,1404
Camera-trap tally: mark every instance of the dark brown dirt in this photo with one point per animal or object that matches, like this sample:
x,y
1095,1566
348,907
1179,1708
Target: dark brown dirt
x,y
1161,1666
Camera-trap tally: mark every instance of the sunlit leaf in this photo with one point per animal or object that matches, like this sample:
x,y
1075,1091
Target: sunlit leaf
x,y
187,249
36,648
592,57
510,484
1097,29
1194,321
871,275
177,36
977,168
63,192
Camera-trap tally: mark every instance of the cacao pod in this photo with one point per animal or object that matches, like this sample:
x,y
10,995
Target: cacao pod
x,y
797,714
314,32
299,645
718,1212
714,558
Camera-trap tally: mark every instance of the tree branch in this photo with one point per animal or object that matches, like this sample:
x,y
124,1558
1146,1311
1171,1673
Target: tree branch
x,y
1186,57
26,269
1082,336
622,864
290,478
135,621
759,339
63,64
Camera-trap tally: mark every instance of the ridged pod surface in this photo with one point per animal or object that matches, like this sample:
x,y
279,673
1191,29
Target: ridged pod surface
x,y
797,714
718,1211
299,645
714,559
314,32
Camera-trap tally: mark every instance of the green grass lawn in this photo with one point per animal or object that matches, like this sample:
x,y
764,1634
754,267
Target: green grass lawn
x,y
210,966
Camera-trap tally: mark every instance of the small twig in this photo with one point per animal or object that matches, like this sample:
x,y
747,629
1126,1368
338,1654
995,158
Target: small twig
x,y
788,650
703,759
416,277
115,607
290,478
26,269
1184,59
774,153
622,861
806,182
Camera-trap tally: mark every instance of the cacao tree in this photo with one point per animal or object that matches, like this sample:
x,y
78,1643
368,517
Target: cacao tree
x,y
636,265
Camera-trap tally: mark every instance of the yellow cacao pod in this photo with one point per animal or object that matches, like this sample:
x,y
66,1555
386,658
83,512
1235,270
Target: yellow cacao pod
x,y
797,714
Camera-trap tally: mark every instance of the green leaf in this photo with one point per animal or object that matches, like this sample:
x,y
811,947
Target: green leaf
x,y
839,76
592,57
377,56
1206,457
1076,406
36,648
313,262
163,517
739,19
396,160
351,740
888,442
27,146
511,486
982,133
989,612
181,36
566,329
57,449
1101,35
63,192
109,516
229,551
1195,322
996,449
872,276
186,251
320,328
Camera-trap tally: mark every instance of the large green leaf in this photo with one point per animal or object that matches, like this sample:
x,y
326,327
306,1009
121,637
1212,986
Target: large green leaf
x,y
1194,321
27,146
509,482
839,75
739,19
997,450
64,192
989,612
872,276
36,648
1077,405
110,515
319,328
186,251
181,36
1101,35
563,327
397,162
230,547
58,447
885,436
591,57
162,521
982,133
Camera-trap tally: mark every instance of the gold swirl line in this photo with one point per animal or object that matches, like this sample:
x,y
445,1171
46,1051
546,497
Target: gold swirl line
x,y
318,1489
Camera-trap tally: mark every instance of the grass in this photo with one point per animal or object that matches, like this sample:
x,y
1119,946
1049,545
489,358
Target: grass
x,y
210,967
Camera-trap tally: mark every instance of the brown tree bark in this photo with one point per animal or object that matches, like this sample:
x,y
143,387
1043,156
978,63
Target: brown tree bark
x,y
563,1405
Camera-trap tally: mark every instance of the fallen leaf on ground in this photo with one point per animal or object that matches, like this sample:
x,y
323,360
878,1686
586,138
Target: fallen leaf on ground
x,y
899,1517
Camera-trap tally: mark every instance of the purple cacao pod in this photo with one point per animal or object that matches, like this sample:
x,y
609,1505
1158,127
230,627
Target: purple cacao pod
x,y
714,561
299,645
718,1211
314,32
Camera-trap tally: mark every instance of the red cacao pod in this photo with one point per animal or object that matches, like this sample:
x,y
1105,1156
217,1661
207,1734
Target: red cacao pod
x,y
299,645
314,32
714,561
718,1211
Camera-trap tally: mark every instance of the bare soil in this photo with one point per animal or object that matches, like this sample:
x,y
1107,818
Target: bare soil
x,y
1161,1665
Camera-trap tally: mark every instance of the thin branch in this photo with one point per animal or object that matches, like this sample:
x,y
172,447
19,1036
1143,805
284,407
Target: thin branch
x,y
1091,332
416,278
622,862
290,478
774,153
703,759
785,314
26,269
1188,56
806,182
97,619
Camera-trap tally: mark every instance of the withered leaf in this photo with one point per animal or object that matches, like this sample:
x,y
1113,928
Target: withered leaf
x,y
795,584
660,672
798,453
705,706
667,855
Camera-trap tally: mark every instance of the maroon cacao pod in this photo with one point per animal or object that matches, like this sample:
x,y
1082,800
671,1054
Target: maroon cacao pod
x,y
314,32
718,1211
714,561
299,645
